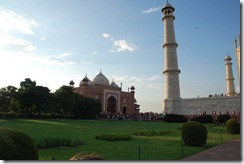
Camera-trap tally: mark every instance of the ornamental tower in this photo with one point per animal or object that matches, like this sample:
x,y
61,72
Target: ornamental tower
x,y
171,71
229,77
172,101
238,60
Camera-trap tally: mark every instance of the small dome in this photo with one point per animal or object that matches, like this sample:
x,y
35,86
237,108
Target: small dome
x,y
167,5
71,82
228,58
113,84
100,79
85,81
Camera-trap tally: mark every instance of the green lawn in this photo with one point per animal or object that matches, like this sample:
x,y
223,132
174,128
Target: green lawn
x,y
166,147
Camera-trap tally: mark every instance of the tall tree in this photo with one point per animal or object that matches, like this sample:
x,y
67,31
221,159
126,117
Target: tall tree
x,y
33,99
8,99
64,97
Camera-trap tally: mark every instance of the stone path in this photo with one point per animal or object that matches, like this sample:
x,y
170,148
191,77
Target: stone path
x,y
230,151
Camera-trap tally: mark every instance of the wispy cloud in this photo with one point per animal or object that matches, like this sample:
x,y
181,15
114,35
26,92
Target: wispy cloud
x,y
42,39
14,49
10,21
120,45
151,10
106,36
153,82
86,62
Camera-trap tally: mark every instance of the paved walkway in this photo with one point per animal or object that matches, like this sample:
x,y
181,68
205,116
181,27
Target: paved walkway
x,y
230,151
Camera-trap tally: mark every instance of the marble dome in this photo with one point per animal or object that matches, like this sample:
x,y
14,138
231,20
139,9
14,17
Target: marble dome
x,y
100,79
85,81
113,84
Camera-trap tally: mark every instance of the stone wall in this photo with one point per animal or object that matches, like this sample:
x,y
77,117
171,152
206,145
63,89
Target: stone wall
x,y
195,106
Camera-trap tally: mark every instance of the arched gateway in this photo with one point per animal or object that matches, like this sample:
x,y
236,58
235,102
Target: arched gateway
x,y
111,105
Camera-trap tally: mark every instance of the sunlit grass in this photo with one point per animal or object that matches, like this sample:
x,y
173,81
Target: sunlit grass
x,y
165,147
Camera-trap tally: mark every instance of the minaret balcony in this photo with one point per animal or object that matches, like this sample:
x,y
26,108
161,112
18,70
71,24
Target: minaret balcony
x,y
168,16
171,71
170,44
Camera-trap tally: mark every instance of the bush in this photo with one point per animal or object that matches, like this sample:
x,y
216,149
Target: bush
x,y
203,119
92,156
16,145
152,132
50,142
223,118
175,118
233,126
114,137
194,133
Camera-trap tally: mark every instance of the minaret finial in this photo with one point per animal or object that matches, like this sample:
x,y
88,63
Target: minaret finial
x,y
167,1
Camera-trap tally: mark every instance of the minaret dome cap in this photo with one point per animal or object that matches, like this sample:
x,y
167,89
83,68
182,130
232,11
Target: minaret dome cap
x,y
168,6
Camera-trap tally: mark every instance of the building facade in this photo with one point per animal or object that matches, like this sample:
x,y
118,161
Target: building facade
x,y
115,102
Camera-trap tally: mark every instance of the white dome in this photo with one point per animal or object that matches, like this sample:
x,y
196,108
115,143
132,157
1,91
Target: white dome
x,y
100,79
113,84
85,81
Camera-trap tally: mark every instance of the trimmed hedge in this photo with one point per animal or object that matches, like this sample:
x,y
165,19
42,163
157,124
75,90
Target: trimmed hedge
x,y
150,133
194,133
113,137
16,145
50,142
175,118
203,119
223,118
233,126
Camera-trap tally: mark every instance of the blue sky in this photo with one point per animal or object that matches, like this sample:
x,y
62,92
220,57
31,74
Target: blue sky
x,y
55,41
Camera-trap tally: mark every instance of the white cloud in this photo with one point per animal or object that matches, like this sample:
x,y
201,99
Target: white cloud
x,y
155,77
11,43
10,21
15,51
122,45
86,62
107,36
42,39
63,55
153,82
151,10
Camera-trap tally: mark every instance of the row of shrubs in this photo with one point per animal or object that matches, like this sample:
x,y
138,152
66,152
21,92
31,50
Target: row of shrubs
x,y
195,134
202,119
50,142
150,133
113,137
175,118
35,116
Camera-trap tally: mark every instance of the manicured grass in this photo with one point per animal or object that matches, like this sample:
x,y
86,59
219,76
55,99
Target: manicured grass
x,y
165,147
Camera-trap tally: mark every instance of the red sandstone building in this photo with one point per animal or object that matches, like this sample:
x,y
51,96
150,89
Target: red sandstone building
x,y
114,101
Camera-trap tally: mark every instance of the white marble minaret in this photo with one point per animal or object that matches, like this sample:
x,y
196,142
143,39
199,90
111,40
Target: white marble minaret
x,y
238,60
171,71
229,77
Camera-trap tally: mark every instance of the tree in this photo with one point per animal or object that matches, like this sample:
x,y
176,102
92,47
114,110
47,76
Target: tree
x,y
8,99
33,99
75,105
64,97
